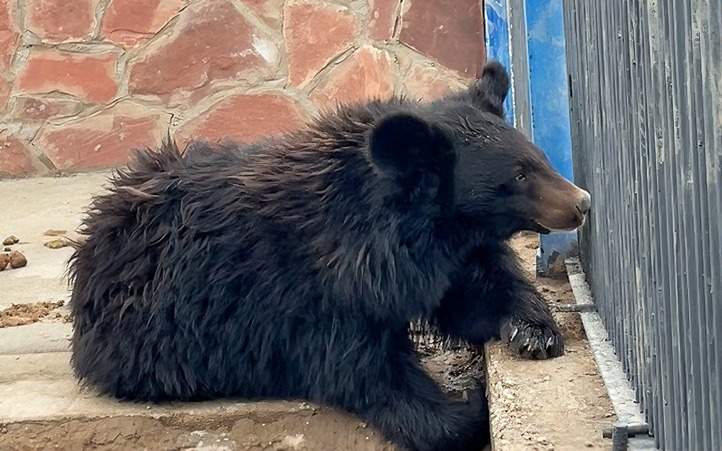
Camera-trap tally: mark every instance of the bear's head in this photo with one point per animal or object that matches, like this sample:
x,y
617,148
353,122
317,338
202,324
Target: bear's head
x,y
484,172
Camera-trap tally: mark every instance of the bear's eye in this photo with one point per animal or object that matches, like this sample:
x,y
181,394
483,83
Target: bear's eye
x,y
520,177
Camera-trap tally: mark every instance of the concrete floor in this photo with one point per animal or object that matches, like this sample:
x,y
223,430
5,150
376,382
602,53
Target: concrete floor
x,y
31,207
34,357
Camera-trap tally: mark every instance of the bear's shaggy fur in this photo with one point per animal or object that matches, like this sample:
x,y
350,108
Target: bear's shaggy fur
x,y
292,268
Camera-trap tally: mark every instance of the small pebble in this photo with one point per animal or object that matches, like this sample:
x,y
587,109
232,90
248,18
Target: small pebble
x,y
9,241
57,243
7,249
589,445
17,260
4,260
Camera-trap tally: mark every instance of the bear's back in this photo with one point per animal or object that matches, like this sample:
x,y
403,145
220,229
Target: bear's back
x,y
180,279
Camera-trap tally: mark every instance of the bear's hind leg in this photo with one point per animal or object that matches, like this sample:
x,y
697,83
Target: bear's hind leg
x,y
411,410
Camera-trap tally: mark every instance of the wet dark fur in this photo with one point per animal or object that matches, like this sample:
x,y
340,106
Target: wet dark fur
x,y
291,269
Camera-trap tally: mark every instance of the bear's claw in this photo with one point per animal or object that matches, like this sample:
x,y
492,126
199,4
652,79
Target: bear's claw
x,y
533,341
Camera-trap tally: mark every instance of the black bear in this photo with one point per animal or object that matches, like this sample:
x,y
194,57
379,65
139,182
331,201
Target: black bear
x,y
292,267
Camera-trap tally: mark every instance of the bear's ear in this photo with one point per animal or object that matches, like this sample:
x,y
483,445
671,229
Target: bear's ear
x,y
404,142
489,92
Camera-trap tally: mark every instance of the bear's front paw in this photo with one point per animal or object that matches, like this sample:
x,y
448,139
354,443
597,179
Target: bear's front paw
x,y
533,341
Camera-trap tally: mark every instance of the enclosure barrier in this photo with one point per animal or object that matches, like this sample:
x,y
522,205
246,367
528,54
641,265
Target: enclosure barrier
x,y
646,123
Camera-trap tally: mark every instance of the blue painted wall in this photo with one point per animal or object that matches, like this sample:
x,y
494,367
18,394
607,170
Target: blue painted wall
x,y
548,82
497,42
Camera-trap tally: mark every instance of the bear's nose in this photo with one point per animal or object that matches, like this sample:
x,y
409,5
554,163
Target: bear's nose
x,y
584,203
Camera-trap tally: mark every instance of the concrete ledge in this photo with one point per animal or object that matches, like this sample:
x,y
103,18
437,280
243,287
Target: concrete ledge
x,y
41,403
35,338
41,386
621,393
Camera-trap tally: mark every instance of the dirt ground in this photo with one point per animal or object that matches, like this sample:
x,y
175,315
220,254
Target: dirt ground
x,y
21,314
313,429
532,404
558,404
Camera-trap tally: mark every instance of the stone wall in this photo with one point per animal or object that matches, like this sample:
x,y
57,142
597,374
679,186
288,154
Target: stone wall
x,y
83,82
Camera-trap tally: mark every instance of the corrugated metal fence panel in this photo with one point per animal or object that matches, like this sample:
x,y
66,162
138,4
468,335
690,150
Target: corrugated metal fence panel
x,y
646,114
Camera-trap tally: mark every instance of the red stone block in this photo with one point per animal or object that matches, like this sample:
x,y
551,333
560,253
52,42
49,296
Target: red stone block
x,y
8,34
449,31
87,76
383,18
61,20
314,34
270,11
429,83
34,109
212,41
102,140
130,22
244,118
15,158
365,75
